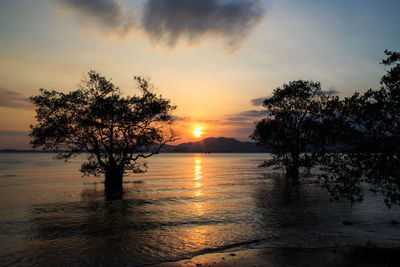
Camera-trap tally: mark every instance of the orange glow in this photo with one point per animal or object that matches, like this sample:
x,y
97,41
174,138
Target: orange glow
x,y
199,210
197,132
197,176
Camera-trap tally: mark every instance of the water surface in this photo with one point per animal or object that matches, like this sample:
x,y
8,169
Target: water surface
x,y
185,205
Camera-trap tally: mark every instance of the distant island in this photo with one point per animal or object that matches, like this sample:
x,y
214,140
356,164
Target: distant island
x,y
207,145
218,145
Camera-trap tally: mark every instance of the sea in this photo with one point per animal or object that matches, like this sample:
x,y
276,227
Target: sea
x,y
184,205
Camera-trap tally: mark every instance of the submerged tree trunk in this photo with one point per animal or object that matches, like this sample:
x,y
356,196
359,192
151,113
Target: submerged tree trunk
x,y
113,182
292,171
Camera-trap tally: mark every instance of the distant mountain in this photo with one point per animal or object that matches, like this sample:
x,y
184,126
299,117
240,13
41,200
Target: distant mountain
x,y
220,144
10,150
214,145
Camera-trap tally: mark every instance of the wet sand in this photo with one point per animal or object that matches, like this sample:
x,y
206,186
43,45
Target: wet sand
x,y
342,256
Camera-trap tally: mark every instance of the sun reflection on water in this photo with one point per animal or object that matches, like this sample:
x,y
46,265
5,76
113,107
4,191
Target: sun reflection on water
x,y
198,175
199,209
197,169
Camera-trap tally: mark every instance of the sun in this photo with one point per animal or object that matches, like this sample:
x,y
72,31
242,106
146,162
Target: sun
x,y
197,132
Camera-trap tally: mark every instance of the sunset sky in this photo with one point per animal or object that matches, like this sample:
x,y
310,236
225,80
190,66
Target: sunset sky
x,y
214,59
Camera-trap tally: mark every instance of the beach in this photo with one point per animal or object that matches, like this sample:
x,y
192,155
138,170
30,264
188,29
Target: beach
x,y
339,256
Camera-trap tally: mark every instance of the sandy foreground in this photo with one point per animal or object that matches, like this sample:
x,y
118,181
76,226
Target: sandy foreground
x,y
278,257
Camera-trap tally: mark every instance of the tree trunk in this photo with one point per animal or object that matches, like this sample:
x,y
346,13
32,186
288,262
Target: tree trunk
x,y
293,170
113,182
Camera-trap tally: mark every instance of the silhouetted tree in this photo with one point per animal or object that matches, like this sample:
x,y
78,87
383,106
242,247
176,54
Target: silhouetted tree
x,y
371,131
116,131
293,128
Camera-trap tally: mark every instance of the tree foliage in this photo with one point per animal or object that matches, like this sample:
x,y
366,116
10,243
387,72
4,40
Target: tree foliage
x,y
294,128
354,141
114,130
371,131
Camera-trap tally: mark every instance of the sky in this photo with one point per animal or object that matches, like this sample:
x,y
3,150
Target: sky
x,y
215,59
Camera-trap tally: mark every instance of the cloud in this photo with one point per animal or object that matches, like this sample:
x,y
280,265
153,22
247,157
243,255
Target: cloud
x,y
327,93
13,99
179,118
237,118
189,119
170,20
258,101
235,123
13,133
108,13
244,131
10,139
247,115
253,113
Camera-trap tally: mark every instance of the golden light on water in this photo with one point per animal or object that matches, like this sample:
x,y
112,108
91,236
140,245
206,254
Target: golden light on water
x,y
197,176
199,209
197,173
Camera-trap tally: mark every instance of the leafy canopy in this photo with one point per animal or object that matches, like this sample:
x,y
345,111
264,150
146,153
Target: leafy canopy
x,y
293,124
115,130
371,132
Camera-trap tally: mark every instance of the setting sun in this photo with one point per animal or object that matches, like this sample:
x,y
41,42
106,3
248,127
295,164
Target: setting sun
x,y
197,132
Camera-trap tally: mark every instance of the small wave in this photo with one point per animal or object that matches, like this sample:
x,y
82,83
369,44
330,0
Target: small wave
x,y
92,183
231,246
133,182
169,189
8,176
251,244
214,250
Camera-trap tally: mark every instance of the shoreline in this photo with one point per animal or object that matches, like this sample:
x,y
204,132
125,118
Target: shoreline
x,y
333,256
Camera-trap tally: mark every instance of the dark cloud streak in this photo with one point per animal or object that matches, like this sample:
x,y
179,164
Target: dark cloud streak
x,y
258,101
253,113
170,20
108,13
13,99
247,115
13,133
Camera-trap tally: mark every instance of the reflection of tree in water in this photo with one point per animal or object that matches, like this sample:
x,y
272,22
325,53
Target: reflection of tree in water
x,y
276,190
288,208
92,231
